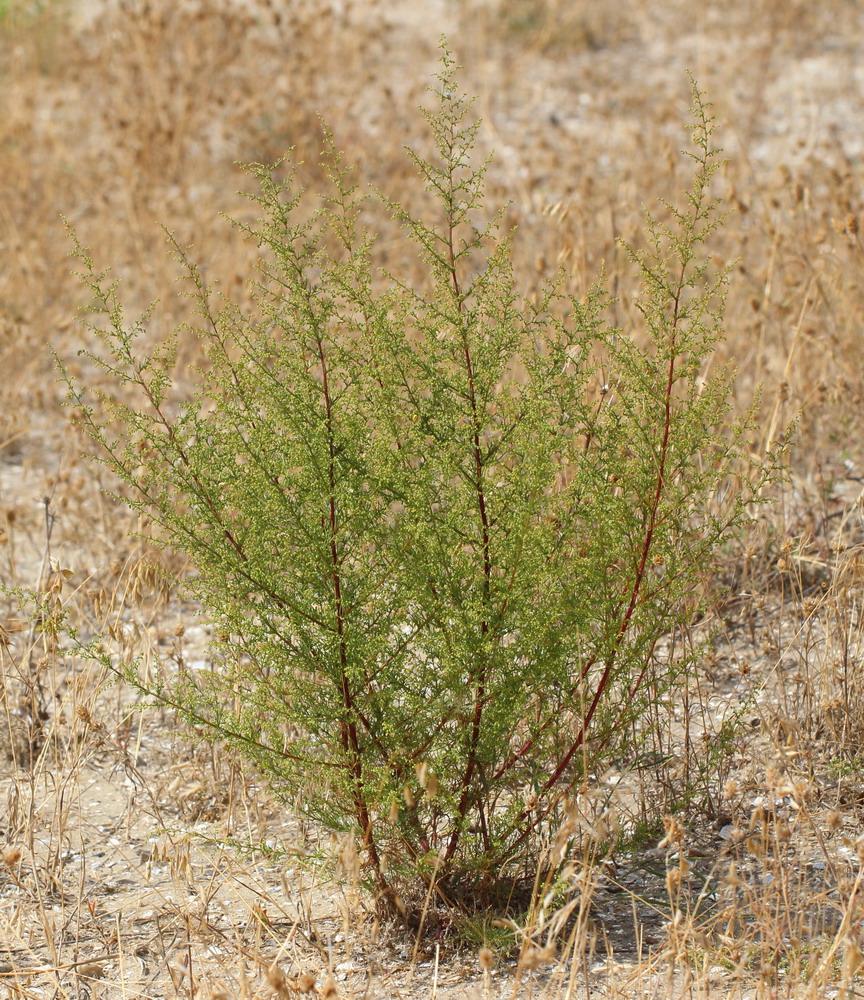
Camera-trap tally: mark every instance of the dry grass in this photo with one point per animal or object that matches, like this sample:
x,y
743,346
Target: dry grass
x,y
122,871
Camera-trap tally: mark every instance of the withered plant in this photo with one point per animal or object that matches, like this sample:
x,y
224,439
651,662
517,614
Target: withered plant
x,y
441,530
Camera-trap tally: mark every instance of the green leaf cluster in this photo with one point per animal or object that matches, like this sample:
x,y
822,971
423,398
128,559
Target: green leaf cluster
x,y
441,530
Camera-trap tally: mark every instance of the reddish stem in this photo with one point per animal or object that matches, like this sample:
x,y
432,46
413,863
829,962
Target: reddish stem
x,y
637,582
480,685
348,728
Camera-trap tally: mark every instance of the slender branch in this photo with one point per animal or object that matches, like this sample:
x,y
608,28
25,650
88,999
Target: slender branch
x,y
480,683
348,727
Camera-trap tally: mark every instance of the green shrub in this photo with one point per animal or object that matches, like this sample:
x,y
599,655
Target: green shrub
x,y
441,531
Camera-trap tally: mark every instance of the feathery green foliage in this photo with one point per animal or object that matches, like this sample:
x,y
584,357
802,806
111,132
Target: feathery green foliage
x,y
442,531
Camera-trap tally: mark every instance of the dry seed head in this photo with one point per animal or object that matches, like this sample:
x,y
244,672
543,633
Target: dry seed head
x,y
758,818
730,789
348,860
92,970
408,795
86,716
834,820
755,846
731,877
773,776
674,833
848,227
531,959
306,983
486,959
11,856
277,981
802,791
328,990
783,832
177,971
548,952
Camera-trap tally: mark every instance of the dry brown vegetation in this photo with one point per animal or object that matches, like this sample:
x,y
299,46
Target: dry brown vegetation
x,y
121,870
